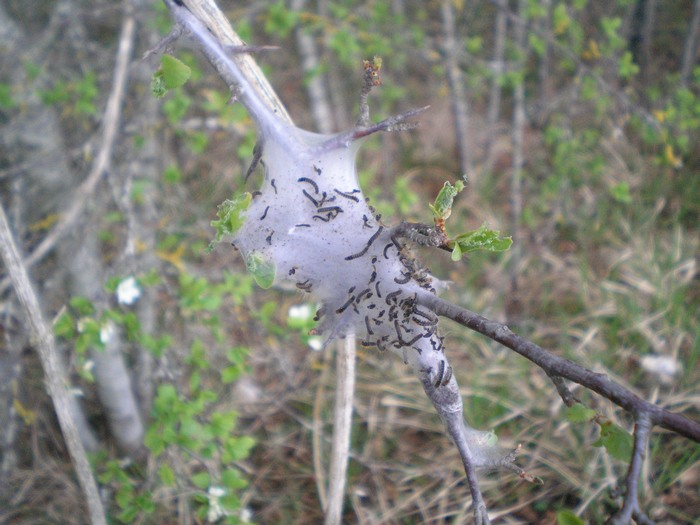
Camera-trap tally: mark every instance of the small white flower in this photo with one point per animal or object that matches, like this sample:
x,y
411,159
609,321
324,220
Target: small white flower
x,y
664,367
300,311
316,343
76,392
246,515
107,332
216,492
80,326
215,510
128,291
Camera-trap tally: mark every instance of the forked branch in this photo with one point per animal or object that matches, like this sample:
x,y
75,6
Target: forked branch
x,y
554,366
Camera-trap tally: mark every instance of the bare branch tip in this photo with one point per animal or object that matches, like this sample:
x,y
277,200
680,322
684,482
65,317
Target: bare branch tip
x,y
165,43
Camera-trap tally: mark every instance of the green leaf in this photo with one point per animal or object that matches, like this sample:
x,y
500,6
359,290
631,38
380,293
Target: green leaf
x,y
261,268
239,447
6,100
231,478
175,72
158,85
481,239
166,475
82,305
230,374
154,442
616,440
201,480
567,517
195,381
621,192
222,424
579,413
172,174
64,326
456,253
627,68
230,214
442,207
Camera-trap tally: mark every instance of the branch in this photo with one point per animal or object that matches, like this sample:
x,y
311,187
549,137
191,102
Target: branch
x,y
342,426
246,82
558,366
46,346
631,503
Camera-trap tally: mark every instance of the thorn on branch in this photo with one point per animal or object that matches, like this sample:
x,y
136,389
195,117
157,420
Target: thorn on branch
x,y
257,156
395,123
165,44
370,79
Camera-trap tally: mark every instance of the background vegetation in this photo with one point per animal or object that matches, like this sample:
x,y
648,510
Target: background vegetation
x,y
577,124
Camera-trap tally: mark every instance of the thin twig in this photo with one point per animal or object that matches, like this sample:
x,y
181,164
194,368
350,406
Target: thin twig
x,y
42,337
566,395
317,432
554,365
342,425
583,69
394,123
631,499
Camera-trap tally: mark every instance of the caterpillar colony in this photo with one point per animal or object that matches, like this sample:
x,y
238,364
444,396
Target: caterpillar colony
x,y
310,227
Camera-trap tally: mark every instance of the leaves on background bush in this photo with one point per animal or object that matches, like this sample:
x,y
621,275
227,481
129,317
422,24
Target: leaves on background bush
x,y
567,517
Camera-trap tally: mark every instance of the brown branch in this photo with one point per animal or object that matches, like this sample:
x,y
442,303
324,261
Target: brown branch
x,y
394,123
631,502
554,365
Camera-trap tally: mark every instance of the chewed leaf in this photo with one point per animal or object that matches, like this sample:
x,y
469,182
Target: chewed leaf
x,y
616,440
442,207
261,268
157,85
481,239
230,217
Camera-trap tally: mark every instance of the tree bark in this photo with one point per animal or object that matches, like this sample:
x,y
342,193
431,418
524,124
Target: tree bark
x,y
498,67
316,90
690,50
458,95
516,185
342,427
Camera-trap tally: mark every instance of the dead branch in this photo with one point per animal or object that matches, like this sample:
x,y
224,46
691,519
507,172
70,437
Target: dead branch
x,y
42,337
